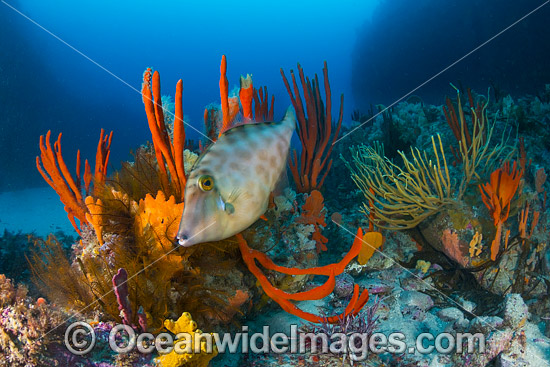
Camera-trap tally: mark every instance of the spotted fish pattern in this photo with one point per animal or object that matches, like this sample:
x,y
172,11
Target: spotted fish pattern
x,y
229,186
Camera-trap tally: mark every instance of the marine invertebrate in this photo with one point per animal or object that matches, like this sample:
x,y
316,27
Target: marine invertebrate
x,y
476,153
137,238
53,169
400,198
313,212
29,333
230,105
475,244
364,323
101,159
540,179
315,130
405,196
262,110
95,216
159,215
191,344
531,254
358,300
497,195
457,123
373,240
135,217
168,152
453,247
246,93
212,115
54,274
220,118
522,225
120,286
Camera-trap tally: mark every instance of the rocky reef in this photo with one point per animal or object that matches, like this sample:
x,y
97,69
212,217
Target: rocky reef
x,y
434,221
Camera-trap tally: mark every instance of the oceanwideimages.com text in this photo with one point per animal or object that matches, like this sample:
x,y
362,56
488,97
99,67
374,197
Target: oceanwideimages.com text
x,y
80,339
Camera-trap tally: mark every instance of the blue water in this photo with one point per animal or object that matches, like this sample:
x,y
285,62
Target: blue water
x,y
376,53
50,86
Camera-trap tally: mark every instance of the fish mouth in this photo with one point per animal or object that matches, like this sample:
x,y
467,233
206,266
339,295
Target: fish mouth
x,y
188,238
184,240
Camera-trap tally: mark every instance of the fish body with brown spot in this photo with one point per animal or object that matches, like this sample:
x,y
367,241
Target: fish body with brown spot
x,y
228,188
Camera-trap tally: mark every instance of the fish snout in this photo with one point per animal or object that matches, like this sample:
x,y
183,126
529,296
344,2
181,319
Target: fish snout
x,y
187,238
182,239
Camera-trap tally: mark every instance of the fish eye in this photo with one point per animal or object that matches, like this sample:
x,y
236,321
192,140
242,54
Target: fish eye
x,y
206,183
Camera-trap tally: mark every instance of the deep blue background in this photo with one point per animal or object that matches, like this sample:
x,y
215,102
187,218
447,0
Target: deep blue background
x,y
407,42
44,84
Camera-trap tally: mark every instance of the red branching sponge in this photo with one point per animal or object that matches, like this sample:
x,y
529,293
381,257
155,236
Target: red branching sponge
x,y
357,302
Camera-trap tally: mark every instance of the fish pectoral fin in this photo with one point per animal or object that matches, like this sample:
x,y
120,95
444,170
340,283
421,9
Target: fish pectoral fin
x,y
234,195
225,206
229,208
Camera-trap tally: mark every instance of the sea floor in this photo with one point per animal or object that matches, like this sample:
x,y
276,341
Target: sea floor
x,y
409,303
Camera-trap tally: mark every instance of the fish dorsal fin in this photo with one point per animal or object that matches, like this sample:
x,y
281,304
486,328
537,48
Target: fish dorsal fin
x,y
201,156
237,128
289,119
